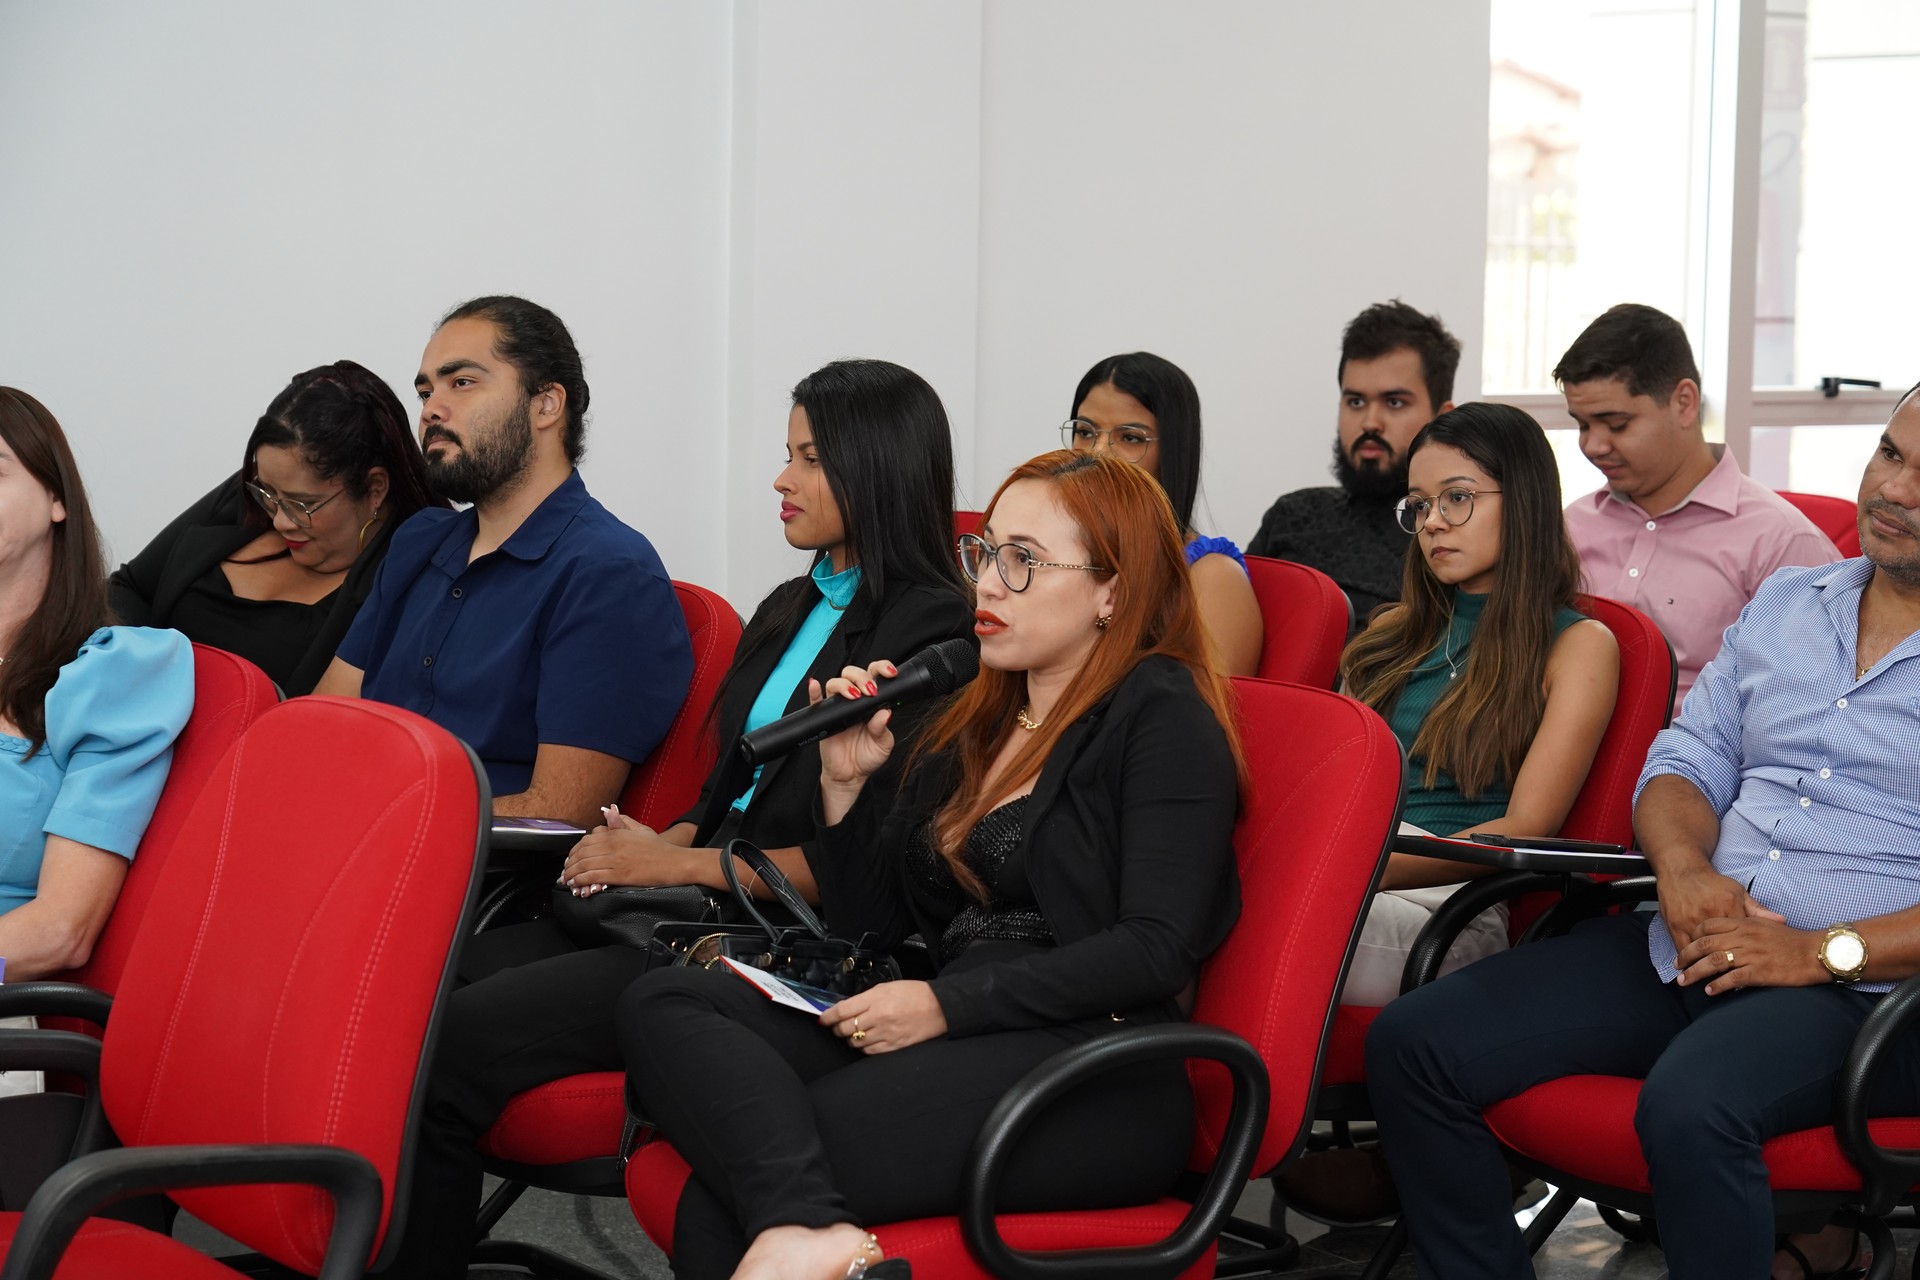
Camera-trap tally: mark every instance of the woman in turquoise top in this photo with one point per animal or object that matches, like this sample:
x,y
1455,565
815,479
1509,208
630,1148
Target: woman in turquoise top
x,y
1145,409
1496,687
867,492
88,712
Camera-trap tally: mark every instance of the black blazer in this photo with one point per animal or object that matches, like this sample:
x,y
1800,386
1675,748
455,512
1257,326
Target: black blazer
x,y
1128,848
144,590
780,815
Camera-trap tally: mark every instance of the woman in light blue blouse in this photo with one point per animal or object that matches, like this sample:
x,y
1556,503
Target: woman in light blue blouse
x,y
88,711
1146,410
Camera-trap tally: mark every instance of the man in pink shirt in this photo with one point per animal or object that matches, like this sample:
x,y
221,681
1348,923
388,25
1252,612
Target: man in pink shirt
x,y
1677,532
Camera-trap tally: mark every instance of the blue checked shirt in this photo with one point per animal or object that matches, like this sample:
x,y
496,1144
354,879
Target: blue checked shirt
x,y
1815,775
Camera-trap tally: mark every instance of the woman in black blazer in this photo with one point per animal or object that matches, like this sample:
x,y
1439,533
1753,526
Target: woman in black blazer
x,y
274,563
868,489
1061,842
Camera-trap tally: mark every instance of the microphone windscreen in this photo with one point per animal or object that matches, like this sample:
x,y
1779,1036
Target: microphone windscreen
x,y
951,663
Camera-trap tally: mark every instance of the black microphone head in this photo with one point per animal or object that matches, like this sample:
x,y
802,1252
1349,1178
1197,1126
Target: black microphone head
x,y
950,664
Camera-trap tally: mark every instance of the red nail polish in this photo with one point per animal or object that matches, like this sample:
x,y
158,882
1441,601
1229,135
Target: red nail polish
x,y
872,687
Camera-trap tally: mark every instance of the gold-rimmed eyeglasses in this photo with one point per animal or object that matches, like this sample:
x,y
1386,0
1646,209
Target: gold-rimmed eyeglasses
x,y
1129,440
301,513
1015,562
1456,508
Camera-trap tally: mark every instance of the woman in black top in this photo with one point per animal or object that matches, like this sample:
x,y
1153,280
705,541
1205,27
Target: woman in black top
x,y
868,490
273,564
1061,841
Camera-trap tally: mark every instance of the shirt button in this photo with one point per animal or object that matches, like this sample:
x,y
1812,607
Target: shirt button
x,y
427,661
1773,855
458,592
1633,573
1842,704
1826,773
1650,524
1805,801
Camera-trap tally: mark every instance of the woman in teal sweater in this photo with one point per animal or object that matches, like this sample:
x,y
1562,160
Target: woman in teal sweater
x,y
1497,688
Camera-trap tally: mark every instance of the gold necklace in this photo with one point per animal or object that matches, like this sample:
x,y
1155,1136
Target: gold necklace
x,y
1026,721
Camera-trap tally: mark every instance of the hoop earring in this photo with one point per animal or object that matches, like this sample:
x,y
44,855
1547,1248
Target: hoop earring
x,y
361,544
1103,623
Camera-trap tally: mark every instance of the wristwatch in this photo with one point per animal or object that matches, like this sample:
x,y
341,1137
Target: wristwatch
x,y
1844,952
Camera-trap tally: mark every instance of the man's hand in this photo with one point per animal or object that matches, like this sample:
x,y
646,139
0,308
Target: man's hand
x,y
1752,951
1696,894
890,1016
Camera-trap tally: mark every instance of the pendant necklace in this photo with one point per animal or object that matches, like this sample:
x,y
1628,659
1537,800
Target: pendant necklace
x,y
1453,670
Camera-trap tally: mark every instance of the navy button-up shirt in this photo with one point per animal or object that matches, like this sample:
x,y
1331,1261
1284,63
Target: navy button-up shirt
x,y
568,634
1813,771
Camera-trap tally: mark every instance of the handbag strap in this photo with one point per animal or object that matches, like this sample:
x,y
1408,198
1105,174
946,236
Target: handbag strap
x,y
775,879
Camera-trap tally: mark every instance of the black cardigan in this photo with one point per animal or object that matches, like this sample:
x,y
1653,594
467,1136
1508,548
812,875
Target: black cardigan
x,y
144,590
780,815
1128,848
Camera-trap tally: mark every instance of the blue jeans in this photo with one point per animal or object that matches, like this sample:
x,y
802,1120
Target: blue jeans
x,y
1723,1074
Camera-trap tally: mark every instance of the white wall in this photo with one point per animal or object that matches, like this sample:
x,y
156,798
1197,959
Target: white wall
x,y
199,199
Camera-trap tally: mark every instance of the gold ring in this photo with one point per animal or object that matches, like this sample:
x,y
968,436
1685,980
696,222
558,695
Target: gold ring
x,y
1729,959
858,1036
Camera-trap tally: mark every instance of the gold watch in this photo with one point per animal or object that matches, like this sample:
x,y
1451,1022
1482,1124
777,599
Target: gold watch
x,y
1844,953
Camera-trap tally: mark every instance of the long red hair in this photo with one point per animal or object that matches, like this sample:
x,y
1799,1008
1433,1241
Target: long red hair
x,y
1128,529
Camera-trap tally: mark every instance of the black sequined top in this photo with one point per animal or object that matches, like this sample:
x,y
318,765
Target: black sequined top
x,y
992,854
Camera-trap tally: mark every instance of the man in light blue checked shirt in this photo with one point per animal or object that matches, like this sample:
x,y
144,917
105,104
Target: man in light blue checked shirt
x,y
1781,813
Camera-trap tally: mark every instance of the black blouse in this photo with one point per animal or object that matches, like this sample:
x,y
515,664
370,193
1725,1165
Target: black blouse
x,y
274,635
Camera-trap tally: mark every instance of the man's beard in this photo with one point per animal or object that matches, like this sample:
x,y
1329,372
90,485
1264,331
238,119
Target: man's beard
x,y
488,465
1904,570
1382,483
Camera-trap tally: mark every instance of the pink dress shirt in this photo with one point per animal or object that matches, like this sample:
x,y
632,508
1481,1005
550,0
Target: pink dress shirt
x,y
1693,569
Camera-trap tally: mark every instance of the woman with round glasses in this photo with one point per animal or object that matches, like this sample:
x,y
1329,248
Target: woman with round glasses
x,y
274,563
1145,409
1060,840
1499,691
867,493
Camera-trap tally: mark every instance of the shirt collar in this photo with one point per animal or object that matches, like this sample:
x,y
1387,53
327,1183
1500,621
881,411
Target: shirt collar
x,y
838,588
1840,585
1719,490
536,534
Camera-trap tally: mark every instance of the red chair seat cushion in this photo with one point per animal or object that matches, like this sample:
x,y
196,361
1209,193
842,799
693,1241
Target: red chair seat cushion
x,y
1346,1058
109,1250
1583,1125
577,1118
656,1175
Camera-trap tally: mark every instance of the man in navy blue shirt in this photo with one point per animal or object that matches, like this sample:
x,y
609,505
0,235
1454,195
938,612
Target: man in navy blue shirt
x,y
1781,819
534,625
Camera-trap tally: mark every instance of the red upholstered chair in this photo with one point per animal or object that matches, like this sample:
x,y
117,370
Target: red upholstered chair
x,y
966,522
1306,618
229,693
1310,842
1602,811
565,1135
1838,518
276,1004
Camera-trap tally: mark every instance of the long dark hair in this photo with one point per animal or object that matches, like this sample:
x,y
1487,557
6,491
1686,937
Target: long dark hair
x,y
74,605
345,421
1484,723
1170,396
1128,529
887,451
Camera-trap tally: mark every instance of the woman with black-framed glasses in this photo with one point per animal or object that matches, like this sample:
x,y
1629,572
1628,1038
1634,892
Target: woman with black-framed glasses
x,y
275,562
1145,410
1496,686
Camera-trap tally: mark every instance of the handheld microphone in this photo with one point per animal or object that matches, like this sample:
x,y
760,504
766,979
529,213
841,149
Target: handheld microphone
x,y
936,670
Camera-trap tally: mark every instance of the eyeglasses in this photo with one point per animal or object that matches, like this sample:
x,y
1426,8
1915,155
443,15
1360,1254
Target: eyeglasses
x,y
301,513
1456,508
1131,441
1016,563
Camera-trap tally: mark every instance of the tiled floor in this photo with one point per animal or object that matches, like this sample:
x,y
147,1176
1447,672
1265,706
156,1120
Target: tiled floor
x,y
602,1234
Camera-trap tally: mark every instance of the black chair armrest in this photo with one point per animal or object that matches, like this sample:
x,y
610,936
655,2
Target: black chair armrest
x,y
72,1195
1885,1172
54,1000
1589,899
1039,1088
22,1049
1437,935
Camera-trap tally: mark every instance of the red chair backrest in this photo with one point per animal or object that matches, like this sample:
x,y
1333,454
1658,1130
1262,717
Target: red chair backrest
x,y
283,982
229,693
966,522
1604,808
667,783
1314,824
1838,518
1307,617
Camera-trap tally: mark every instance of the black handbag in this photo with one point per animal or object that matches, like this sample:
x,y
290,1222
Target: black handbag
x,y
628,914
804,953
